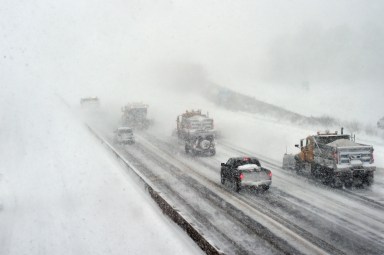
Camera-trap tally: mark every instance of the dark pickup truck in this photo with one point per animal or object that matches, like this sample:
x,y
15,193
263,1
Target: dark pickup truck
x,y
245,172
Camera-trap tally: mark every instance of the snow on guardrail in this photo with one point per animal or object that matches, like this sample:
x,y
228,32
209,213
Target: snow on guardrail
x,y
165,206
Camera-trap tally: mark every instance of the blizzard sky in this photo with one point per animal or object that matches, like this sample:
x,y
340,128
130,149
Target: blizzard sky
x,y
314,57
284,52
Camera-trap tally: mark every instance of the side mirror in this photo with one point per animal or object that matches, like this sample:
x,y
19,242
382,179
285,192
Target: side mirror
x,y
296,145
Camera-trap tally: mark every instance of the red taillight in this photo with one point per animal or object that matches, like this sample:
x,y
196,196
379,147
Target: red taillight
x,y
270,174
241,176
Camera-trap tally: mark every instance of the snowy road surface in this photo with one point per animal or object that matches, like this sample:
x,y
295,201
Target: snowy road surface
x,y
329,220
61,193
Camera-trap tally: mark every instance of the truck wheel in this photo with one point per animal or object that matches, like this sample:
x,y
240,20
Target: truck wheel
x,y
314,170
336,183
298,169
369,179
236,186
348,184
266,187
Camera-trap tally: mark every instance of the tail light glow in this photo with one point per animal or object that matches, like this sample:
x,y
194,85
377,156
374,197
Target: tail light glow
x,y
270,174
241,176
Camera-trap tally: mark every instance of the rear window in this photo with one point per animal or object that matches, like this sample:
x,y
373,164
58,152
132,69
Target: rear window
x,y
247,161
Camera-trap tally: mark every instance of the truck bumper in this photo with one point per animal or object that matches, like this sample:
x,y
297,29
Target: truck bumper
x,y
256,183
356,176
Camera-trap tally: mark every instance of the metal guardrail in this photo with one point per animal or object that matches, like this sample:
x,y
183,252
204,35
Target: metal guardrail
x,y
165,206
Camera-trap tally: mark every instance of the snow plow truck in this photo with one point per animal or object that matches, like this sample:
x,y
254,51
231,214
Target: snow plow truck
x,y
197,131
135,116
336,159
90,102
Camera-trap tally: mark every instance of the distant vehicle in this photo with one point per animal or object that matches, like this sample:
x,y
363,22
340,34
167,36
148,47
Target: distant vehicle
x,y
193,122
380,123
245,172
334,158
196,130
135,115
124,135
90,102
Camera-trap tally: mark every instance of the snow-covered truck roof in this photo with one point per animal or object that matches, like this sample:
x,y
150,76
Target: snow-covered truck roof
x,y
131,106
124,129
345,143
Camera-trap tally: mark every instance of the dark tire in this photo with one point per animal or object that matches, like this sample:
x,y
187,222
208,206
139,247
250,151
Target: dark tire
x,y
236,186
336,183
314,170
266,187
369,180
298,170
326,176
348,184
298,167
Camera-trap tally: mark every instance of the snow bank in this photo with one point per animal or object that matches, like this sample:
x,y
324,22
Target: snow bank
x,y
61,193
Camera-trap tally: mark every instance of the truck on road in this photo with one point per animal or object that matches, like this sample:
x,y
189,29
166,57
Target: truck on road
x,y
89,102
197,131
135,116
334,158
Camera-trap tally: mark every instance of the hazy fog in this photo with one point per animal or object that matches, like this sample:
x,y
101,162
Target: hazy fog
x,y
289,53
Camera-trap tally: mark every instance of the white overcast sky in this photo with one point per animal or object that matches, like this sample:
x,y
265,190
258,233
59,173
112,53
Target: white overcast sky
x,y
105,47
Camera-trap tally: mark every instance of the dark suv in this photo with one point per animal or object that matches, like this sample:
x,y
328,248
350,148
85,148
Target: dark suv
x,y
245,172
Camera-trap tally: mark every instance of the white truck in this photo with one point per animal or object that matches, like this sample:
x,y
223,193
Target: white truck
x,y
334,158
197,131
135,116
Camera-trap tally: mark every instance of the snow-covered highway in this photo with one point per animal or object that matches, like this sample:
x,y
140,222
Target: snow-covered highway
x,y
318,219
265,73
61,193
